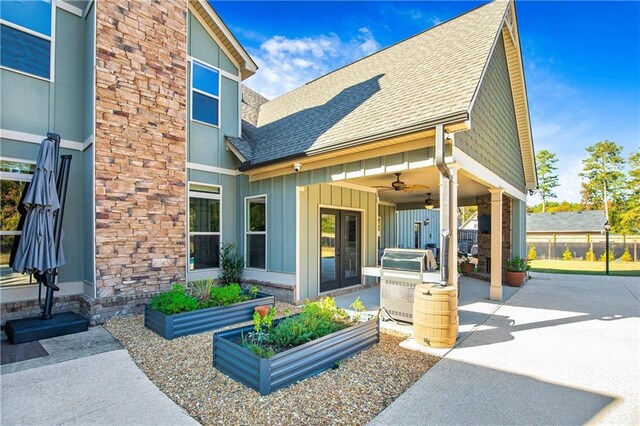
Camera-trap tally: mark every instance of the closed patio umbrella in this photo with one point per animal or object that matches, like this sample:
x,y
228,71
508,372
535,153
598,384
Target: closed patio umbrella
x,y
36,251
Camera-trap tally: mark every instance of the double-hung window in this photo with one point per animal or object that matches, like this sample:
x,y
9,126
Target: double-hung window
x,y
25,36
205,94
15,175
256,232
204,226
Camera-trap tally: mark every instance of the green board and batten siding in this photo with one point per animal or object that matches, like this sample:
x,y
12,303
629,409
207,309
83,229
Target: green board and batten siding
x,y
206,143
493,138
388,236
35,106
311,199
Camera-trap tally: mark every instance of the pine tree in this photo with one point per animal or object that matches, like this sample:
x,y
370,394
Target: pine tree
x,y
603,169
547,180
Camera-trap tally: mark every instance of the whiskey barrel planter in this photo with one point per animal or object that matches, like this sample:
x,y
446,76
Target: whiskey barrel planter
x,y
185,323
269,374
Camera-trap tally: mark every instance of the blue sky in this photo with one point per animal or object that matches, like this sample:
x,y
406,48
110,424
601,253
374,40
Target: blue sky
x,y
582,60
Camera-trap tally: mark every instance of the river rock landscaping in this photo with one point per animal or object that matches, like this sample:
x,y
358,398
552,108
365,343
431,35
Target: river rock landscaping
x,y
355,392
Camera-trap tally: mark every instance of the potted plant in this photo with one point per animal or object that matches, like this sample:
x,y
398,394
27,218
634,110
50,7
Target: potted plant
x,y
516,271
466,267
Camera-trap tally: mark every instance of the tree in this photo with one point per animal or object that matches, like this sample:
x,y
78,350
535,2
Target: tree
x,y
547,181
556,207
629,218
465,213
602,172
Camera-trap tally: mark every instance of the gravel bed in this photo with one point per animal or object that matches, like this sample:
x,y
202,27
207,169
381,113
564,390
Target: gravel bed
x,y
352,394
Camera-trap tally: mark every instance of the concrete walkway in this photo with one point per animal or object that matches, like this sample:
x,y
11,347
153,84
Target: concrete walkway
x,y
96,383
562,350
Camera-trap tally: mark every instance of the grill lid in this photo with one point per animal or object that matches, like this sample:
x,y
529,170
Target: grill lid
x,y
404,260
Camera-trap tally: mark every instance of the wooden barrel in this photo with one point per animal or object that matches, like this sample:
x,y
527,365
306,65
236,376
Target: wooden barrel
x,y
435,315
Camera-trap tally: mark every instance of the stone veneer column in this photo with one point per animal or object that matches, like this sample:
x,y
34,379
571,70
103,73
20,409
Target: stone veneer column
x,y
140,145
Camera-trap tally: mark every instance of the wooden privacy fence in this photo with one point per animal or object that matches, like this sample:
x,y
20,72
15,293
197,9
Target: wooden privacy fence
x,y
553,246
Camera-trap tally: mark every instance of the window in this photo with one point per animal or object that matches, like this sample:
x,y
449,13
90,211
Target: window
x,y
204,226
25,36
417,235
256,232
15,175
205,90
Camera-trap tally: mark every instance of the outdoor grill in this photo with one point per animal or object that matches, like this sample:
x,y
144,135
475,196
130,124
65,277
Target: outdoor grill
x,y
402,270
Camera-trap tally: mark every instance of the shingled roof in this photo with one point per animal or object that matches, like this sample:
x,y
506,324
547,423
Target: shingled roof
x,y
425,79
585,221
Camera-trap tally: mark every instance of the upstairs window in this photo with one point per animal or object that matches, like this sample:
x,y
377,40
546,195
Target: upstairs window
x,y
25,36
205,94
204,226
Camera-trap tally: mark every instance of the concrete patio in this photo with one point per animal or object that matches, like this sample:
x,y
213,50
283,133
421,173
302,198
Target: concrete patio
x,y
564,349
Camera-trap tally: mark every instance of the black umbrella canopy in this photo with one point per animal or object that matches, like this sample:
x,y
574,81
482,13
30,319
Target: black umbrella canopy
x,y
36,250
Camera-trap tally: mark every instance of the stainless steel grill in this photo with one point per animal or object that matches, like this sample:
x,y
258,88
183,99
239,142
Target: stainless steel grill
x,y
402,270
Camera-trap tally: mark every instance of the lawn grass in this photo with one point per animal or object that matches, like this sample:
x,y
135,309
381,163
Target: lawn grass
x,y
631,269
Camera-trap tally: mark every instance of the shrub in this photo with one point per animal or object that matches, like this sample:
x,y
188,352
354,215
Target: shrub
x,y
232,264
590,256
611,256
227,295
626,256
201,289
174,301
533,254
566,254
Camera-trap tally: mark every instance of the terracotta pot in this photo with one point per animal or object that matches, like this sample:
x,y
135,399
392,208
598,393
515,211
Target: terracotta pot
x,y
262,310
514,279
467,268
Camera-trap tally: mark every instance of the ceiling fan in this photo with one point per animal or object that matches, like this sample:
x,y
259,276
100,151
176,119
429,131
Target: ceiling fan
x,y
399,185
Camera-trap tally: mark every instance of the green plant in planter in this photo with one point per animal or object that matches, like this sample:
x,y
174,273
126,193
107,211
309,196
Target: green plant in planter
x,y
174,301
253,291
201,289
231,263
358,306
227,295
517,264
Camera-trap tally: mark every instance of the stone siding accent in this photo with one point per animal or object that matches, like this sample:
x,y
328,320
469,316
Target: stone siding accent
x,y
140,146
493,138
31,308
484,238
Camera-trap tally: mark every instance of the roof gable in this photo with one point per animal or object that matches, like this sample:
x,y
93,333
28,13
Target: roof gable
x,y
428,79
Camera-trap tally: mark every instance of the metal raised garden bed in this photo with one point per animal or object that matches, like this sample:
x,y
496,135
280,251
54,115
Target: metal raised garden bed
x,y
269,374
185,323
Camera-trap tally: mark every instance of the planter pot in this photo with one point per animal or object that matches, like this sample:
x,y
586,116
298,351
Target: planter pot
x,y
268,374
262,310
183,324
514,279
467,268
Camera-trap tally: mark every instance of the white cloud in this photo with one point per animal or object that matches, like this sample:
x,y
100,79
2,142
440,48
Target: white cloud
x,y
287,63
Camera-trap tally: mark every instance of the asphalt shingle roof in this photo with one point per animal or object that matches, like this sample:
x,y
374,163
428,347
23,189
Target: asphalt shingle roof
x,y
424,78
584,221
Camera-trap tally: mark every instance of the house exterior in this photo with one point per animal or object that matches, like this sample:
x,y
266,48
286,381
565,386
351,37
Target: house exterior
x,y
172,156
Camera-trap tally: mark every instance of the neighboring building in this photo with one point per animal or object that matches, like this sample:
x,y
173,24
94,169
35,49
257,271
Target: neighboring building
x,y
552,233
418,228
171,157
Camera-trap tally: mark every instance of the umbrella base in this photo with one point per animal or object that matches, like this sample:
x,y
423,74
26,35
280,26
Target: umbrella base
x,y
36,328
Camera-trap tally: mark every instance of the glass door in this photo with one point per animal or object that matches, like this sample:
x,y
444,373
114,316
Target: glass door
x,y
340,251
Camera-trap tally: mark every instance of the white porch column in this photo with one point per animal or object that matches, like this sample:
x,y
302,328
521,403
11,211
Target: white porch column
x,y
495,292
453,217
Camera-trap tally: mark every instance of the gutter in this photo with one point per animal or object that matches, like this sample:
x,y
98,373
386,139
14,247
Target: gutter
x,y
445,203
451,118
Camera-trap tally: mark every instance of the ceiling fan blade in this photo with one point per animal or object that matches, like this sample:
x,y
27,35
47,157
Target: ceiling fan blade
x,y
411,188
383,188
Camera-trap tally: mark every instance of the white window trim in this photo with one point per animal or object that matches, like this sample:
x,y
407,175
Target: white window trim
x,y
51,39
18,177
247,232
209,196
210,95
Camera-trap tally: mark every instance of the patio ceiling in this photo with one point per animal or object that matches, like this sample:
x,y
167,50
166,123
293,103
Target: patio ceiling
x,y
468,189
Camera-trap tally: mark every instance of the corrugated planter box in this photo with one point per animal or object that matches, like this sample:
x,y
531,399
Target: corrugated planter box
x,y
268,374
185,323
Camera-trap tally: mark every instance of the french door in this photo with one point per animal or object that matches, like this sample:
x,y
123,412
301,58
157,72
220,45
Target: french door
x,y
340,251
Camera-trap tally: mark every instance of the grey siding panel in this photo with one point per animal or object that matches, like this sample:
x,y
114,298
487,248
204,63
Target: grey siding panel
x,y
388,221
69,78
204,144
291,365
19,94
89,96
200,45
228,120
430,233
173,326
493,137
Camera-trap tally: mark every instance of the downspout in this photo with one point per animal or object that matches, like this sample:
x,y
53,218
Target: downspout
x,y
445,197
